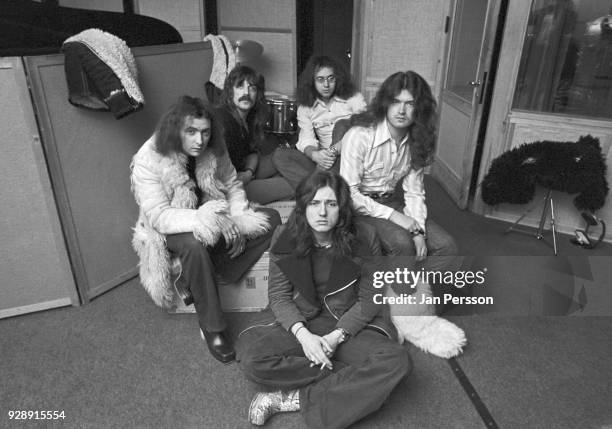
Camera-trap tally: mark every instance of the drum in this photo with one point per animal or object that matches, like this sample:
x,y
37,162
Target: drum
x,y
282,115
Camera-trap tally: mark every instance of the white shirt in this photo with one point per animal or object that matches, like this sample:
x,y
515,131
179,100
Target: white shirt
x,y
371,161
317,122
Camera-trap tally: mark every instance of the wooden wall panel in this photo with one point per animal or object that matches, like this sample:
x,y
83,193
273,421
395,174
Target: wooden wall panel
x,y
108,5
35,269
407,35
187,16
89,153
271,23
256,13
277,63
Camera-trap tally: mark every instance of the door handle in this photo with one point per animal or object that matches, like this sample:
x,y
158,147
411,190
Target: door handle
x,y
475,83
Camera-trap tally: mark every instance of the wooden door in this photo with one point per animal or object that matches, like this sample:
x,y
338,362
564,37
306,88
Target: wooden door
x,y
470,48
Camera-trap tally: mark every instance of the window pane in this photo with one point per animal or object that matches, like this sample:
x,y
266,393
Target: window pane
x,y
469,20
566,62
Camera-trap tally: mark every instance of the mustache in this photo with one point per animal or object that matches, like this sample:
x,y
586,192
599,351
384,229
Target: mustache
x,y
244,98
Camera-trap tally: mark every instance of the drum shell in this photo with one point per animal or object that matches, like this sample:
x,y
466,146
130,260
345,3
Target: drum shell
x,y
282,116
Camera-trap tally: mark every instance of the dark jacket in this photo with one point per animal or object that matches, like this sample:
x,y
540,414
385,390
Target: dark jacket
x,y
238,140
292,292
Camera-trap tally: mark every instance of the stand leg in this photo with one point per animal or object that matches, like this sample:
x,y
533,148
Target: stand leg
x,y
525,213
539,233
552,225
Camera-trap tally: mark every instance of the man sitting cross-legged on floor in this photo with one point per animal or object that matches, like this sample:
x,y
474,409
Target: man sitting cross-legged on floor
x,y
322,316
392,142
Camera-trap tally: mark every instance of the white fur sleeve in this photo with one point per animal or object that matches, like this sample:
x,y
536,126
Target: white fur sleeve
x,y
155,204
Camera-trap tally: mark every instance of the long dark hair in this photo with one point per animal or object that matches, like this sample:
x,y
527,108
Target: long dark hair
x,y
258,115
343,233
307,94
168,131
422,130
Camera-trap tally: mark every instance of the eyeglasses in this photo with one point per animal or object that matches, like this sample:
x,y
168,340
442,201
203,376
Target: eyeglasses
x,y
329,79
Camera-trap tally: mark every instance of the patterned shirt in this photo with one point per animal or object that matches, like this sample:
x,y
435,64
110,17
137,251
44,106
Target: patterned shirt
x,y
317,122
372,162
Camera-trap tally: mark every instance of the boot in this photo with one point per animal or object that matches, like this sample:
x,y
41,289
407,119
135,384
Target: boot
x,y
266,404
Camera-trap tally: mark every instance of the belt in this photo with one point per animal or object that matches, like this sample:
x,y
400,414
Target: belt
x,y
379,195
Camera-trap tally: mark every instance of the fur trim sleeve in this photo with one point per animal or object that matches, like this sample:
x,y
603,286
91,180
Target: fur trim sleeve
x,y
208,227
252,223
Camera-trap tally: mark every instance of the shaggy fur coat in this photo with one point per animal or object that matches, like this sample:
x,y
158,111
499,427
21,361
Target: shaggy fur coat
x,y
165,195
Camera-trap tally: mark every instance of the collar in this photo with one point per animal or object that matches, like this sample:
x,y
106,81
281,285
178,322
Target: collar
x,y
335,98
382,134
298,269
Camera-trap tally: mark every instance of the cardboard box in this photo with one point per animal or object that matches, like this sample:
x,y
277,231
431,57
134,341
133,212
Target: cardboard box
x,y
249,294
284,208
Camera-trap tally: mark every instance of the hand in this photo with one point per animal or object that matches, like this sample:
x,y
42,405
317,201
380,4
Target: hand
x,y
324,158
420,246
234,241
245,176
333,339
315,348
406,222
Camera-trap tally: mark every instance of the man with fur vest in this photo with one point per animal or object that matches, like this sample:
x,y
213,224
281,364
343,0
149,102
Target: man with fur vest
x,y
194,210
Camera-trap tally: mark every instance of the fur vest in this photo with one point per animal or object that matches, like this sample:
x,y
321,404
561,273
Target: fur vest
x,y
165,195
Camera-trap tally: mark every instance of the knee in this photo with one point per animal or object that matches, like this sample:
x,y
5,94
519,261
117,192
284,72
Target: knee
x,y
190,247
446,246
397,359
400,243
274,218
250,363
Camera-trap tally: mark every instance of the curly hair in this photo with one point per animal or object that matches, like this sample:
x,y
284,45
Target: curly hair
x,y
168,131
307,94
422,130
343,233
258,115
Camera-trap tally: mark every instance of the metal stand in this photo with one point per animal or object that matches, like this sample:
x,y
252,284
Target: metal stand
x,y
546,201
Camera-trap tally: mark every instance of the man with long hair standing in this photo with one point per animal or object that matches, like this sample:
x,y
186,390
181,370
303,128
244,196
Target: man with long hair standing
x,y
326,99
243,113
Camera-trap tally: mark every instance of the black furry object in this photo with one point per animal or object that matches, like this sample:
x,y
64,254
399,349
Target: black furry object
x,y
572,167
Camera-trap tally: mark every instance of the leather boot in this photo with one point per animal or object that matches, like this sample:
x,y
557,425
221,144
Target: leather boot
x,y
219,346
266,404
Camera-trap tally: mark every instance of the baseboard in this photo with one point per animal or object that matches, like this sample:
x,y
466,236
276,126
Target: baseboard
x,y
115,281
40,306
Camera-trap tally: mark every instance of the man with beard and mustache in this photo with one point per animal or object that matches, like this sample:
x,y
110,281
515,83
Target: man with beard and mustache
x,y
242,114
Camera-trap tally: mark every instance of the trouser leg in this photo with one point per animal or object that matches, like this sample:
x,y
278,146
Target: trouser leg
x,y
271,356
264,191
293,165
373,366
198,272
232,270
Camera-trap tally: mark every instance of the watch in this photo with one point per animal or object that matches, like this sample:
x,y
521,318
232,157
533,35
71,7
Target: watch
x,y
344,335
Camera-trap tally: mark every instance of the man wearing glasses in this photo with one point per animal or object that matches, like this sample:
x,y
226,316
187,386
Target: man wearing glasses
x,y
326,99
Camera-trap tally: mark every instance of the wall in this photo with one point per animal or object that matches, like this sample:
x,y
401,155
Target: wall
x,y
108,5
187,16
271,23
399,35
